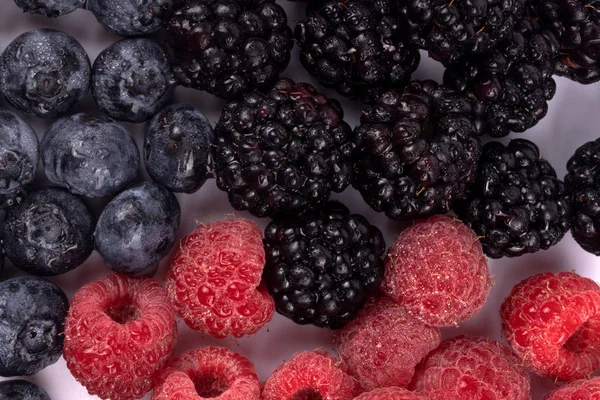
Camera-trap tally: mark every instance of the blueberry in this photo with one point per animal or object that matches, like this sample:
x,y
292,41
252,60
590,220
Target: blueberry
x,y
91,156
45,73
132,80
19,157
21,390
177,148
32,318
50,8
131,17
137,229
49,233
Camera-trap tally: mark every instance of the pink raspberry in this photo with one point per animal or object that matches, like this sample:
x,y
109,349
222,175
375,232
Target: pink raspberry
x,y
383,345
310,375
584,389
552,321
208,373
119,332
437,270
215,279
466,368
391,393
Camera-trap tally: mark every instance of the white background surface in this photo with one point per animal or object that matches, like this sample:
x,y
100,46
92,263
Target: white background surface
x,y
574,118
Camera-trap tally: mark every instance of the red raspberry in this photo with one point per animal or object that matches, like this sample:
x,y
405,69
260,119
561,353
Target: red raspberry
x,y
391,393
584,389
208,373
552,321
119,332
215,279
383,345
437,270
310,375
466,368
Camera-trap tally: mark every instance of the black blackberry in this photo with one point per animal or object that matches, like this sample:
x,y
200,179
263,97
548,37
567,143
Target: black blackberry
x,y
451,29
577,25
512,83
517,205
321,267
583,180
229,47
356,46
282,152
416,151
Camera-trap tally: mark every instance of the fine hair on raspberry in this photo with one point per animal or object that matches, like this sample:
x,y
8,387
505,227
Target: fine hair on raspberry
x,y
583,389
552,322
391,393
207,373
119,333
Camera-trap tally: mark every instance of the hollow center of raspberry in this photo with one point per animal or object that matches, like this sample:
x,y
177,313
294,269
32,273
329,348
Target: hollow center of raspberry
x,y
577,342
307,394
123,312
209,386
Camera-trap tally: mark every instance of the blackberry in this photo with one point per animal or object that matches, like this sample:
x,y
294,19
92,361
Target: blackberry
x,y
583,180
321,267
416,151
512,83
517,205
356,46
577,25
450,30
282,152
229,47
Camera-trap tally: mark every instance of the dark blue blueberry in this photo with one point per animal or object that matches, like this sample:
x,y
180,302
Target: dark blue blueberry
x,y
131,17
91,156
19,157
32,318
138,228
177,148
132,80
21,390
50,8
49,233
44,72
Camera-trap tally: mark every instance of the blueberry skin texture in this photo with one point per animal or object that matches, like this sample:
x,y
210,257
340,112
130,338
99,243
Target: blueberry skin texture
x,y
132,80
177,148
138,228
131,17
32,318
49,233
21,390
50,8
91,156
44,73
19,157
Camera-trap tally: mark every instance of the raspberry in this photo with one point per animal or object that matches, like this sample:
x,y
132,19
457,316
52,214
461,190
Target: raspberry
x,y
584,389
120,331
390,393
552,322
471,368
383,345
206,373
436,269
214,281
310,375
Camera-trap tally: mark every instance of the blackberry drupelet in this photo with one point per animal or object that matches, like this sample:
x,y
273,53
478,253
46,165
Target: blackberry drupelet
x,y
577,26
321,267
229,47
356,46
583,180
449,30
282,152
512,83
517,205
416,151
